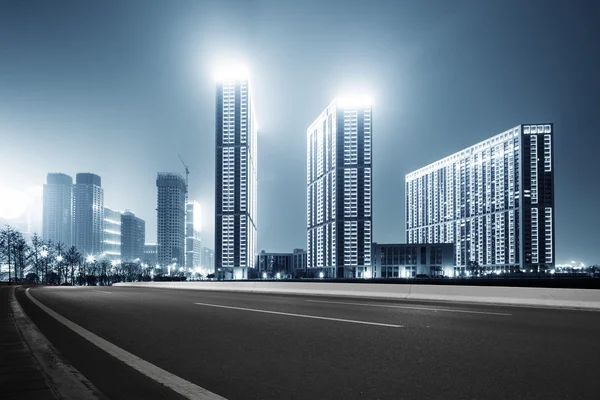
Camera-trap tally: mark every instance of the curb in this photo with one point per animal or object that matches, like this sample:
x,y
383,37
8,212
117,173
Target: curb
x,y
64,379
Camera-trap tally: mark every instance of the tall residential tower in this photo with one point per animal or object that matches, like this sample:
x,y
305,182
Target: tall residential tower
x,y
133,237
170,216
88,210
493,200
58,209
339,194
235,179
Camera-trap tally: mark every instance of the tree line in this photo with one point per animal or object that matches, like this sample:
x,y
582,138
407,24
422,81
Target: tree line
x,y
40,261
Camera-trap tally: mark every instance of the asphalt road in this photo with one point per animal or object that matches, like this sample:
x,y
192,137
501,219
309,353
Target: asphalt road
x,y
369,349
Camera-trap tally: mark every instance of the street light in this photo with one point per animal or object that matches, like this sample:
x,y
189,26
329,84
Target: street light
x,y
89,259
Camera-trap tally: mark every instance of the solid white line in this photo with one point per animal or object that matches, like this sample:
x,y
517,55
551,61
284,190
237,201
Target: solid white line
x,y
100,291
409,307
301,315
173,382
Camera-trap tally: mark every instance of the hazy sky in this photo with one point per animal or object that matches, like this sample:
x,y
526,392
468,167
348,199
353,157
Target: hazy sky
x,y
119,88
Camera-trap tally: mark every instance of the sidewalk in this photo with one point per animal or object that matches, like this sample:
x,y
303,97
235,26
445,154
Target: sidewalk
x,y
21,377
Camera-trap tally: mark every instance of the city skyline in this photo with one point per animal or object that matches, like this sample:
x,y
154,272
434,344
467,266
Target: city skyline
x,y
410,133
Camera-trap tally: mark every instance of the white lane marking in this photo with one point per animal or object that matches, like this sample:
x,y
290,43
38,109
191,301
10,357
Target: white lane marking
x,y
173,382
301,315
101,291
410,307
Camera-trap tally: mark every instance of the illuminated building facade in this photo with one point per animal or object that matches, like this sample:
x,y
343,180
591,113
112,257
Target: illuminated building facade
x,y
112,234
493,200
235,180
339,190
193,243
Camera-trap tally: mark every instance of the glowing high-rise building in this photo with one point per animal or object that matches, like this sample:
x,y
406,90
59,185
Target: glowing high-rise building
x,y
193,228
339,194
235,179
493,200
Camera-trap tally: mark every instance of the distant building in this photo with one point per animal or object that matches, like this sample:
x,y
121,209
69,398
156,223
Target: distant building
x,y
273,263
299,263
493,200
170,212
112,234
88,210
208,259
193,244
410,260
236,179
339,190
150,254
133,236
57,216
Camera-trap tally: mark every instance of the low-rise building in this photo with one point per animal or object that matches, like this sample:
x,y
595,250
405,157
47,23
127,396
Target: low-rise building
x,y
299,263
274,263
410,260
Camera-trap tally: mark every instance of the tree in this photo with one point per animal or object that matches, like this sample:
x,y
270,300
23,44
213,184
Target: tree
x,y
60,258
104,267
37,246
21,255
7,241
32,278
72,259
473,267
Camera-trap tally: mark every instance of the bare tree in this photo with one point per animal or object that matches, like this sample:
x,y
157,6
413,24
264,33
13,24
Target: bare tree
x,y
60,258
7,242
37,246
72,258
22,255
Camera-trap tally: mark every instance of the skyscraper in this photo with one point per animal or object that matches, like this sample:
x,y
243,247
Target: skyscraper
x,y
88,210
112,234
193,244
133,237
58,209
339,194
493,200
170,213
235,180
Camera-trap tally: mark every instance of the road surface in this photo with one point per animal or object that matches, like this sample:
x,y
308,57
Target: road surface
x,y
258,346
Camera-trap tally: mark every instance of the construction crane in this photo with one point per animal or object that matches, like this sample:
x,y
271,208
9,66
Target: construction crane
x,y
187,174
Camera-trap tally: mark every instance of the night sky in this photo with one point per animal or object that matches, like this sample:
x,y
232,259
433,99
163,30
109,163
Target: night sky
x,y
119,88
